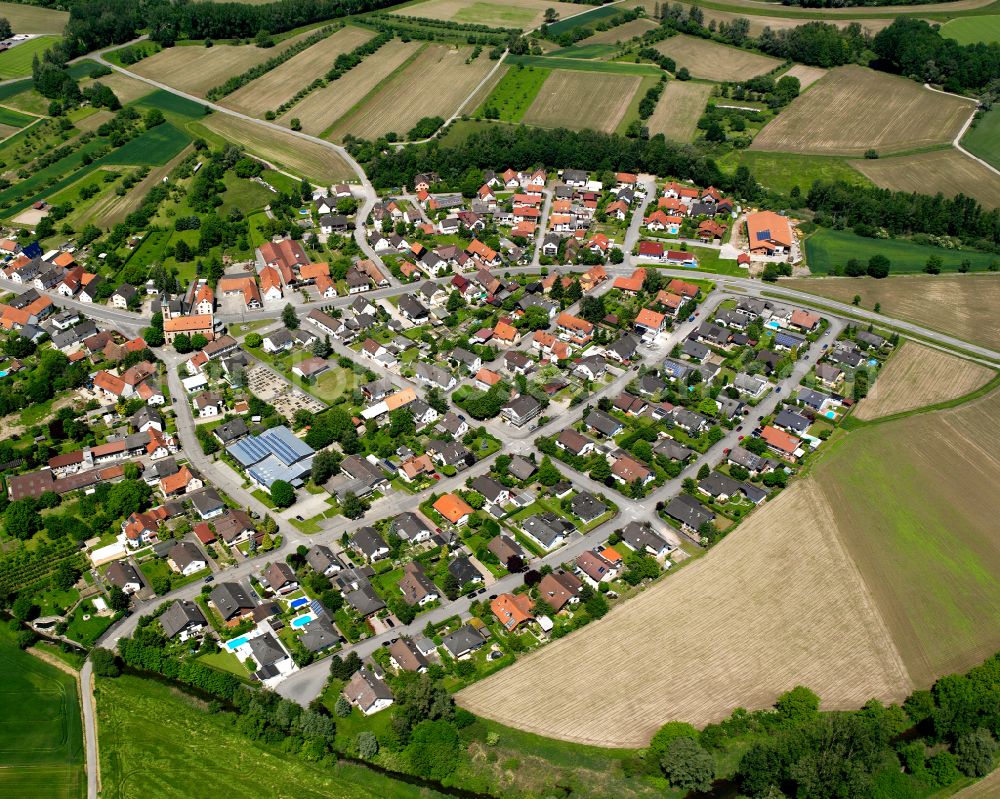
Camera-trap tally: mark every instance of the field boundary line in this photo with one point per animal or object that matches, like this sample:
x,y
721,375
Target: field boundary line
x,y
957,142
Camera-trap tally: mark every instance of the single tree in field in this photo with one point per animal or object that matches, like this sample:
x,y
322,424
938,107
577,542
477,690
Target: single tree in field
x,y
688,766
551,15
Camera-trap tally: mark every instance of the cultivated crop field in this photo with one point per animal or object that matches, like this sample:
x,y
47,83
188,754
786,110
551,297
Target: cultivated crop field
x,y
621,33
33,19
195,70
41,736
678,110
959,305
705,59
916,503
570,99
507,14
916,376
854,109
434,84
313,161
775,605
272,88
322,108
946,171
970,30
807,75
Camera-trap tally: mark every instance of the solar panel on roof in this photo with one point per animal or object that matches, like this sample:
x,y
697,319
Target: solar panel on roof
x,y
763,235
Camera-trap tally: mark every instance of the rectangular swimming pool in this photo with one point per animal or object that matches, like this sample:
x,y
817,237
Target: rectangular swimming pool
x,y
298,603
236,643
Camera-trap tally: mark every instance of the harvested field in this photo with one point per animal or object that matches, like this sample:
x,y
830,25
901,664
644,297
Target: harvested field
x,y
705,59
507,14
570,99
947,171
272,88
917,376
948,7
195,70
987,788
916,503
126,89
321,109
621,33
434,84
777,604
959,305
758,22
681,105
854,109
314,161
807,75
33,19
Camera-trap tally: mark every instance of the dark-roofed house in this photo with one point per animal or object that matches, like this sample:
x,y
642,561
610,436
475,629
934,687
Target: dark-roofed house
x,y
369,543
411,527
669,448
720,486
231,431
689,512
272,660
319,634
559,588
368,692
574,443
495,493
547,529
587,507
505,548
186,558
521,468
604,424
323,561
233,526
281,578
405,656
232,602
416,587
364,599
520,410
463,642
124,575
182,619
788,420
464,572
642,538
595,568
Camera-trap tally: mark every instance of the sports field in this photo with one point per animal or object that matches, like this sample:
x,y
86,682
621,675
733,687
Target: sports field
x,y
972,30
775,605
41,736
713,61
272,88
195,69
916,504
946,171
156,742
680,106
827,249
314,161
959,305
323,107
577,100
33,19
917,376
621,33
983,139
16,62
507,14
434,84
807,75
854,109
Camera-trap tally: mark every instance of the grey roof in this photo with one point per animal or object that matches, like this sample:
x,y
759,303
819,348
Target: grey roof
x,y
695,349
746,459
689,420
814,399
586,506
266,650
180,615
121,573
546,528
368,541
676,369
650,385
464,356
450,423
602,423
412,307
463,570
206,500
361,469
729,407
320,558
871,339
319,634
669,448
146,414
231,431
624,347
463,640
185,553
277,441
689,511
230,598
785,339
718,483
521,468
791,421
488,487
408,525
365,600
523,407
432,373
751,384
641,537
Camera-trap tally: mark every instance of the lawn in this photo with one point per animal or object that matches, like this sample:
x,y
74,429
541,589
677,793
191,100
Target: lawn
x,y
41,736
783,171
827,249
245,195
186,751
86,631
16,62
225,661
983,139
972,30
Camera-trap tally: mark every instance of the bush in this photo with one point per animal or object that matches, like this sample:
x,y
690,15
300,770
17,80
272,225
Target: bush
x,y
974,752
688,766
105,663
282,494
434,749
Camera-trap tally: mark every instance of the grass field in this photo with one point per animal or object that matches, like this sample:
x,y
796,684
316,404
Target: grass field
x,y
946,171
917,376
16,62
678,110
595,51
959,305
322,108
33,19
782,171
508,14
41,736
185,752
515,92
313,161
14,119
574,64
775,605
195,70
578,100
434,84
916,504
155,147
272,88
807,75
621,33
570,20
827,249
854,109
983,140
713,61
971,30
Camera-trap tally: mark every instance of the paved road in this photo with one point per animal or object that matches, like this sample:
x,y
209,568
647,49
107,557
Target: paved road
x,y
90,728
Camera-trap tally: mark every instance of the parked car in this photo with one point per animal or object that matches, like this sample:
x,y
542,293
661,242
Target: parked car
x,y
210,578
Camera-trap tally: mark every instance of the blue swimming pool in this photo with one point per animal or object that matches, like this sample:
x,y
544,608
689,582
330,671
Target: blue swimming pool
x,y
298,603
4,373
773,325
830,414
302,621
236,643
